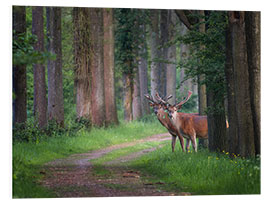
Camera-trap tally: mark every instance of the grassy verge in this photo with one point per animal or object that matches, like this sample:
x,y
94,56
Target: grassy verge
x,y
202,173
125,152
28,157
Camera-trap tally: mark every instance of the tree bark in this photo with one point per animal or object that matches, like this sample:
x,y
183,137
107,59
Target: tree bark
x,y
171,55
154,42
253,34
19,71
246,146
232,132
127,96
55,87
143,74
185,85
97,67
110,102
40,100
81,23
136,101
202,87
164,37
217,137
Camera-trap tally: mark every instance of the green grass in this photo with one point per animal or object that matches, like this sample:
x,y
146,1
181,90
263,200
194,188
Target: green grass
x,y
125,152
202,173
101,171
29,157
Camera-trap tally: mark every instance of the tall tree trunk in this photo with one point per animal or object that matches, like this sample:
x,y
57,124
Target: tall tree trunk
x,y
110,102
202,87
171,55
143,76
154,43
136,101
217,138
55,86
232,132
127,96
40,100
81,24
246,146
253,34
164,36
19,71
97,67
185,85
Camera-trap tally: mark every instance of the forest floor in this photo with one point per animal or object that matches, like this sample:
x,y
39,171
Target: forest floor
x,y
77,176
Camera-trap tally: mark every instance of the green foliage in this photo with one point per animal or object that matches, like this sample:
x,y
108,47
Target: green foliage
x,y
208,54
24,53
23,183
28,157
30,132
128,37
190,106
67,60
202,173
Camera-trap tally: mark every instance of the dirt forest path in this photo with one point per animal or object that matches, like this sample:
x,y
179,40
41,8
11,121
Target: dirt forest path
x,y
76,176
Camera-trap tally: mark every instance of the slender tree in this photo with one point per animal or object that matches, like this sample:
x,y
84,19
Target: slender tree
x,y
241,83
201,78
40,99
97,67
164,39
136,104
19,71
171,55
81,24
253,34
128,43
186,84
143,76
55,86
110,102
154,43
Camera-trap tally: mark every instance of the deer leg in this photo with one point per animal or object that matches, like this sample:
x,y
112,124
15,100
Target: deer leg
x,y
173,139
182,143
194,143
173,142
187,144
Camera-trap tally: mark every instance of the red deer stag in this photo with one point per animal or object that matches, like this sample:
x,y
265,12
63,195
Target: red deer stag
x,y
190,126
165,121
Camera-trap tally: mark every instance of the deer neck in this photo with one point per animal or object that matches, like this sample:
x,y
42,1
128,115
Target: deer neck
x,y
176,119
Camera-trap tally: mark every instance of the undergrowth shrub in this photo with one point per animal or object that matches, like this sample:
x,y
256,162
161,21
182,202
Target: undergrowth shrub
x,y
30,132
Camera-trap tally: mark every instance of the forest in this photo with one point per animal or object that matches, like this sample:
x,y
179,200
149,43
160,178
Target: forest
x,y
81,71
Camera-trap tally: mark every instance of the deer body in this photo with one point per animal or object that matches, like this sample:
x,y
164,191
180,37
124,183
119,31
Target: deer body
x,y
164,119
190,126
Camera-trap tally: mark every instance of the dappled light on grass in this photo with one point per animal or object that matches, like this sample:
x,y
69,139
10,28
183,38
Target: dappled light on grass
x,y
28,157
203,172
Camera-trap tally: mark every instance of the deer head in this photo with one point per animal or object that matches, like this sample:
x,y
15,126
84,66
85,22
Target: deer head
x,y
174,108
157,105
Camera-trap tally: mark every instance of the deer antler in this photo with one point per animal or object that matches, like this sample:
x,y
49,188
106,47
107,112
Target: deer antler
x,y
168,97
184,101
149,98
160,99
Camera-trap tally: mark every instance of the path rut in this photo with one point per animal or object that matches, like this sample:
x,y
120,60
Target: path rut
x,y
74,176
